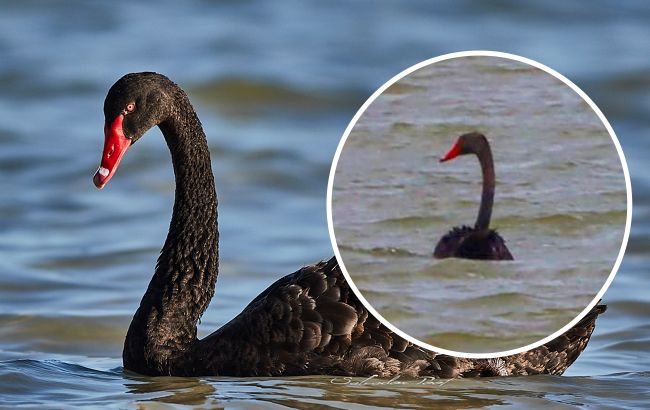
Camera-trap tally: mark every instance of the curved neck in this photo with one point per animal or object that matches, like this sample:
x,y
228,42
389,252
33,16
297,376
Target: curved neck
x,y
487,197
164,326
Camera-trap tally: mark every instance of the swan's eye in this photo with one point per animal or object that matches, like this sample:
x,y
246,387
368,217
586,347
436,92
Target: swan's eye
x,y
130,107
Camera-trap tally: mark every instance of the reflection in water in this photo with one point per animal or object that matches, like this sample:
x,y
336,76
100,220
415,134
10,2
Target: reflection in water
x,y
177,390
317,392
26,382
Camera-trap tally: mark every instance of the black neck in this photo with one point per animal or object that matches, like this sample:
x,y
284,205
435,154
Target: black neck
x,y
487,197
164,327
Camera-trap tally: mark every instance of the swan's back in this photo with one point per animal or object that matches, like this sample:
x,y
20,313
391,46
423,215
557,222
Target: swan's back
x,y
310,322
470,243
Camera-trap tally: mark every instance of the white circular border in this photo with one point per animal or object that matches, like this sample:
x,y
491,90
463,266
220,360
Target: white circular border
x,y
480,53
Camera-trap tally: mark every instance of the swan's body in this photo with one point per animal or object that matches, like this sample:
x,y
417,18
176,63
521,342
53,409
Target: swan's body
x,y
467,242
308,322
479,241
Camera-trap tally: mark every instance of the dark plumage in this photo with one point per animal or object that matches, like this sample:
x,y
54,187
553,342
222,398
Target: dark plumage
x,y
479,241
308,322
469,243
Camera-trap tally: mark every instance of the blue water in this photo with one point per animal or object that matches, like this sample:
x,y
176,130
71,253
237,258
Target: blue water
x,y
275,85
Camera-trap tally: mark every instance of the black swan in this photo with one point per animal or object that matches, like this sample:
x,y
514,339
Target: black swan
x,y
308,322
478,242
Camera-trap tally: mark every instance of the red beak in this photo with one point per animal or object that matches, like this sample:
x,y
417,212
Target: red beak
x,y
115,146
453,152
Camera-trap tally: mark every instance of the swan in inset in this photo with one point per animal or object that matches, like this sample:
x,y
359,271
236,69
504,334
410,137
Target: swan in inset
x,y
479,241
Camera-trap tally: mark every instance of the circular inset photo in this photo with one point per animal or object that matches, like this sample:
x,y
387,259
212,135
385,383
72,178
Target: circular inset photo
x,y
479,203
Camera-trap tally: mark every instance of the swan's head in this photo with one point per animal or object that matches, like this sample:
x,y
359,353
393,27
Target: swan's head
x,y
134,104
471,143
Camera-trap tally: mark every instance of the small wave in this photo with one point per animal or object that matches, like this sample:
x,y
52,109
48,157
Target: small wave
x,y
249,97
54,366
402,88
94,260
379,251
568,219
93,335
498,299
464,341
406,221
400,127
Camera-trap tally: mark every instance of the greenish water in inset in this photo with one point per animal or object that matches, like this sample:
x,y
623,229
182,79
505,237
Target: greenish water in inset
x,y
75,261
560,184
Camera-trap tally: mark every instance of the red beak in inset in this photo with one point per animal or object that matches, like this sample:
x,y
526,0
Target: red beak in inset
x,y
115,145
453,152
